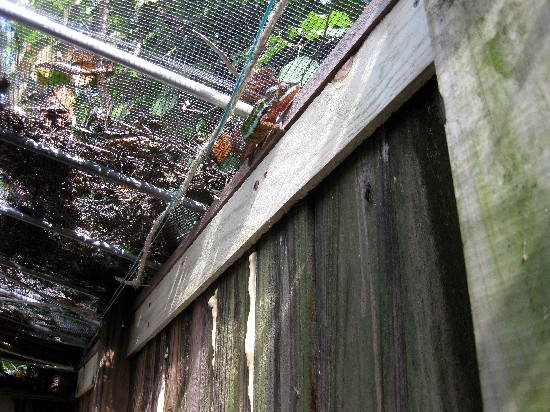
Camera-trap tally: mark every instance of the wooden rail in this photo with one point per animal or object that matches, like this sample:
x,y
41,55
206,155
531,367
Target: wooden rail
x,y
376,81
346,48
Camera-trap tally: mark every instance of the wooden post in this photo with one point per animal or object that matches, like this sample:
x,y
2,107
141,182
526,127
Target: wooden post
x,y
492,59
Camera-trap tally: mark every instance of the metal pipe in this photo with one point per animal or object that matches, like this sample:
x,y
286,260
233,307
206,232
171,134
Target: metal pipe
x,y
36,21
36,362
53,279
71,234
7,298
79,163
43,332
86,313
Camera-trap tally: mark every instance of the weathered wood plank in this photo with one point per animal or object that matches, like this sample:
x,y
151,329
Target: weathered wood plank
x,y
384,73
112,382
493,59
392,315
87,376
230,374
284,369
189,350
148,376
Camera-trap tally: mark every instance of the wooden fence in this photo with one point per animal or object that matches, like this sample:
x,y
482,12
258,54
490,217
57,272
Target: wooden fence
x,y
414,276
361,296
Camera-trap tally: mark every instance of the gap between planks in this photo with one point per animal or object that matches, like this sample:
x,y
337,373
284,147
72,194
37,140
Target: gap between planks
x,y
343,51
394,61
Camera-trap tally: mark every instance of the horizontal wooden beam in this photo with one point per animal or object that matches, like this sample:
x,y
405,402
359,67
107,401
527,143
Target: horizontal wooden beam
x,y
395,60
74,235
346,47
92,168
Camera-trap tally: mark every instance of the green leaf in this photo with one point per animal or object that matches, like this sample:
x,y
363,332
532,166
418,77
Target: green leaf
x,y
293,32
165,102
313,26
339,19
298,70
275,44
318,25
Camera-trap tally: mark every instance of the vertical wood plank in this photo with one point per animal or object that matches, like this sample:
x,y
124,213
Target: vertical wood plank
x,y
492,58
230,374
284,375
391,295
111,389
148,375
112,383
189,375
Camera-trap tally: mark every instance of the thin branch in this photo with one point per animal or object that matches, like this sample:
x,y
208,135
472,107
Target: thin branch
x,y
219,52
275,14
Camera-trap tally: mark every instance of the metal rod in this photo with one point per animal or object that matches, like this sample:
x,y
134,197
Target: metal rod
x,y
53,279
36,21
50,306
83,312
36,362
71,234
45,333
79,163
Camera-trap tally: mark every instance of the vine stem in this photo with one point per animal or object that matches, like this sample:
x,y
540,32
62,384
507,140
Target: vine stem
x,y
240,87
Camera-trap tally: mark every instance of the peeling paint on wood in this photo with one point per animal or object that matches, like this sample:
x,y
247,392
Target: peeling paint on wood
x,y
360,305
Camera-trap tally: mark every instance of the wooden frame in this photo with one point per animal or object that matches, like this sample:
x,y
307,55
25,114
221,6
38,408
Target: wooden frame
x,y
87,375
383,74
346,48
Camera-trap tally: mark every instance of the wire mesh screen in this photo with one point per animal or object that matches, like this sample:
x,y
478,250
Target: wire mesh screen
x,y
103,111
72,100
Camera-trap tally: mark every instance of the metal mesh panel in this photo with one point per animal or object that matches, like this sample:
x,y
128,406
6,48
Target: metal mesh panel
x,y
85,105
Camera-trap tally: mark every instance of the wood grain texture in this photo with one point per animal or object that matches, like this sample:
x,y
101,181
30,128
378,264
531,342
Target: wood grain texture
x,y
179,369
284,369
392,298
148,375
361,304
493,59
384,73
87,376
230,374
112,382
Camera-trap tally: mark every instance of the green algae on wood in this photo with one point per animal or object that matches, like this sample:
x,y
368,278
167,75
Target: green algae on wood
x,y
492,59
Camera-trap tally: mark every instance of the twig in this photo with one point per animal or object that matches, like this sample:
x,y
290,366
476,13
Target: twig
x,y
275,14
219,52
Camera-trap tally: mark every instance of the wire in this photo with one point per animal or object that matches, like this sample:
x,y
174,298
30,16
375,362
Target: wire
x,y
264,30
